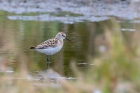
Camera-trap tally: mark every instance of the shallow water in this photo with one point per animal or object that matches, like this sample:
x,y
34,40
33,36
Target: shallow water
x,y
21,31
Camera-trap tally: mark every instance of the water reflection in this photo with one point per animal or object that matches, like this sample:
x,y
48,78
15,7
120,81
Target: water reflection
x,y
19,32
90,40
49,74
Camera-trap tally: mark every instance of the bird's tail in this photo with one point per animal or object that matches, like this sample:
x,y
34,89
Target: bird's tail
x,y
32,47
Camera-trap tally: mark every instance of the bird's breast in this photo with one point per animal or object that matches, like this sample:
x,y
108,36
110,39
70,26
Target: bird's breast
x,y
60,42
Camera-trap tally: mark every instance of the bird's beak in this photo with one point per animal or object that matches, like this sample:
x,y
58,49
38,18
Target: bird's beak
x,y
67,38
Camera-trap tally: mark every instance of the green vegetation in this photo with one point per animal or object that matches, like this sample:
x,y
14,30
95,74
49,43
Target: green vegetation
x,y
116,70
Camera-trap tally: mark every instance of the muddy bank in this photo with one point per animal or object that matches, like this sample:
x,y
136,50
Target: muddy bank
x,y
86,9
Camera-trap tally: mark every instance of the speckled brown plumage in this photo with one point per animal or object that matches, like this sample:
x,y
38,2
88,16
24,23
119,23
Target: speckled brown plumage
x,y
51,46
48,43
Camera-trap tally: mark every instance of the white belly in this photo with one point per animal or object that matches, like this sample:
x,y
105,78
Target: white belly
x,y
50,50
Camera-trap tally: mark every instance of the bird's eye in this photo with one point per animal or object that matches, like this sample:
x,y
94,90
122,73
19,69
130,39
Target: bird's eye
x,y
63,35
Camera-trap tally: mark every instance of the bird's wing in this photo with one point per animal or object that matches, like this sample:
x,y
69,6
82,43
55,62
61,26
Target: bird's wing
x,y
47,43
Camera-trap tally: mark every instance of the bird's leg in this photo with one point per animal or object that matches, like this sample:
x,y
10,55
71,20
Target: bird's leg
x,y
48,61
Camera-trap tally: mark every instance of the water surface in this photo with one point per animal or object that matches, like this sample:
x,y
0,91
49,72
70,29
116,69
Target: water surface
x,y
22,29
